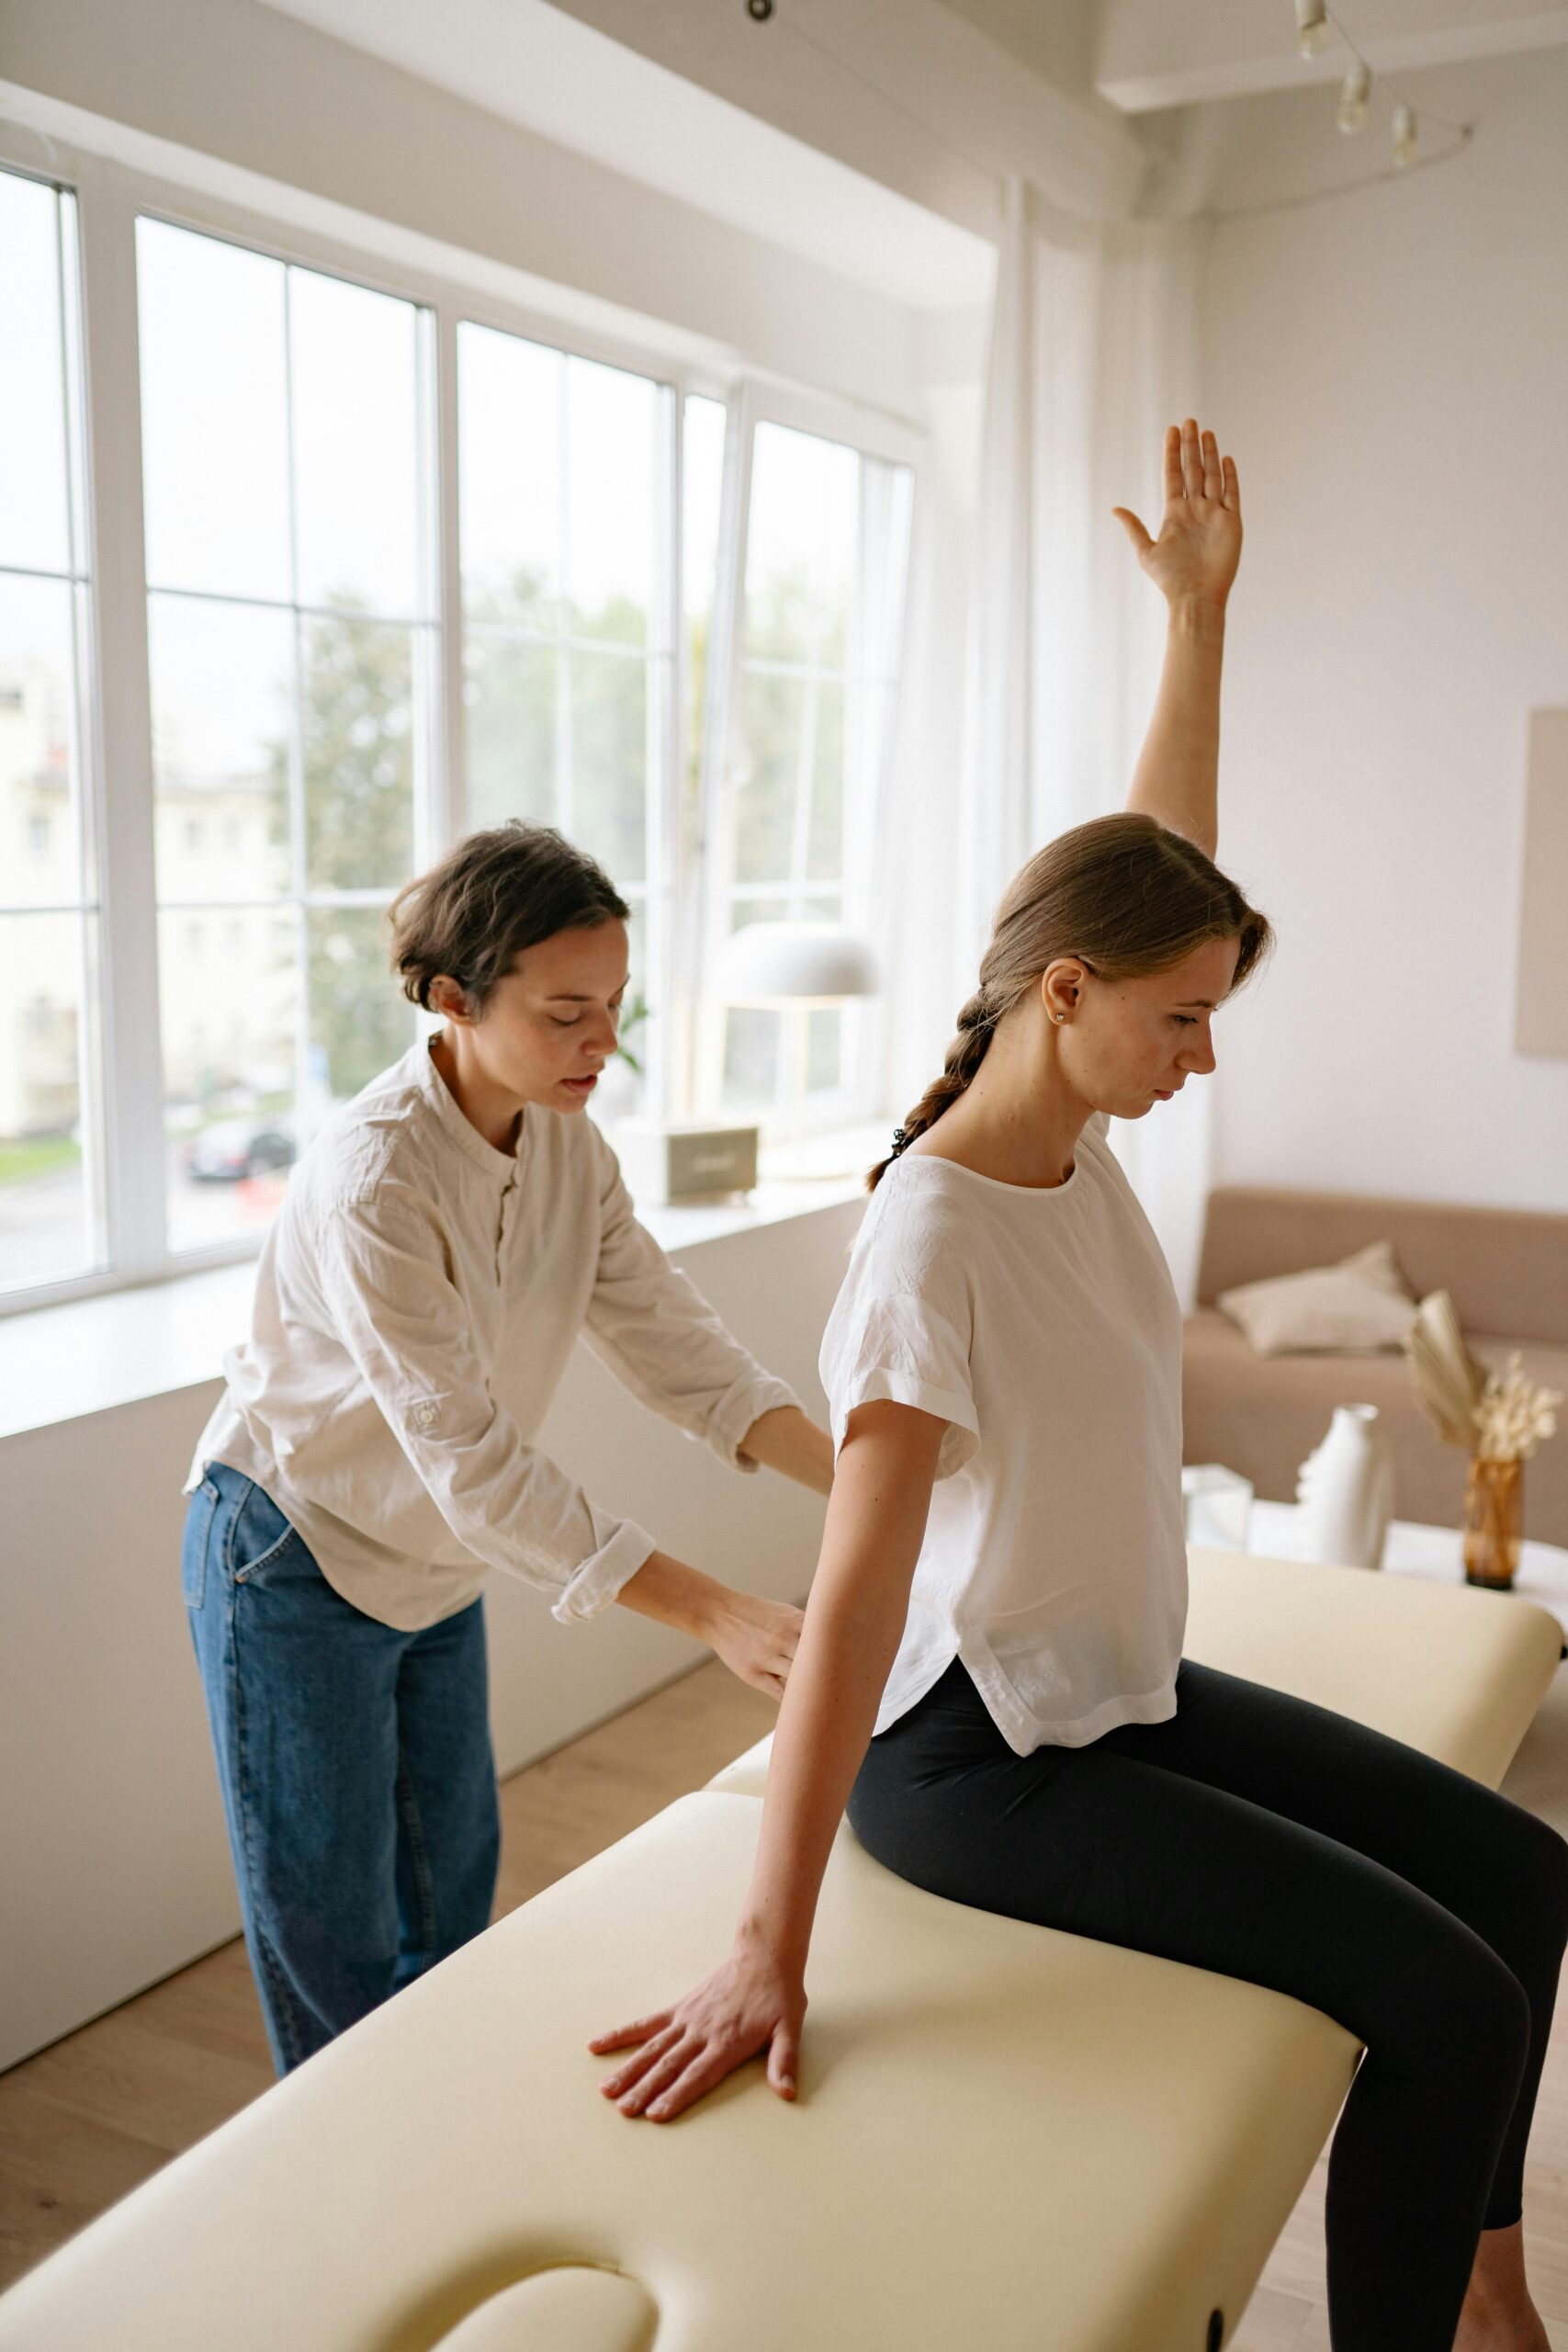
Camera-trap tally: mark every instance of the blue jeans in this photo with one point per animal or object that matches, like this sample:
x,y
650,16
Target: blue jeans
x,y
356,1767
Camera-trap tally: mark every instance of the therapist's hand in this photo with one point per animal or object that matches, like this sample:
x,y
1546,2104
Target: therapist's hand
x,y
756,1639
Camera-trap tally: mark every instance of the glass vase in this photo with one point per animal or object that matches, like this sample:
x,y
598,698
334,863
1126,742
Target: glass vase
x,y
1494,1513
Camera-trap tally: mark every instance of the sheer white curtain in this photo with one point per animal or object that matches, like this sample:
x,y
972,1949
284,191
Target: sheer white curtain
x,y
1093,352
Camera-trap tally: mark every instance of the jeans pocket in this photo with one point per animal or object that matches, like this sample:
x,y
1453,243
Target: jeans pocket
x,y
262,1544
203,1502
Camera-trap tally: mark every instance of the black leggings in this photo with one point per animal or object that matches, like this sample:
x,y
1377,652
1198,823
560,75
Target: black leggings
x,y
1413,1904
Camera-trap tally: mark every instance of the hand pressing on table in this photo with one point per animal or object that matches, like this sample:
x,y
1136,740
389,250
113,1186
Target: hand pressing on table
x,y
748,2004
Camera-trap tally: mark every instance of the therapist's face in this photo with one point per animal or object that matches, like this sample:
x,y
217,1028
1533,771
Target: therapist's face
x,y
549,1025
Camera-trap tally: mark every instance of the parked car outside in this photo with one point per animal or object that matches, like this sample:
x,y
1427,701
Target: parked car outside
x,y
236,1148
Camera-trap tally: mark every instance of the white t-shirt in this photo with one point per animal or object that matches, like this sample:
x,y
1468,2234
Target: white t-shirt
x,y
1042,1325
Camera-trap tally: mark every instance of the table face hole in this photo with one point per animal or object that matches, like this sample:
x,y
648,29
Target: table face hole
x,y
572,2307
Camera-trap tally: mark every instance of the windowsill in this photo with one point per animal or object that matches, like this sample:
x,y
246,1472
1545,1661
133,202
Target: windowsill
x,y
87,1355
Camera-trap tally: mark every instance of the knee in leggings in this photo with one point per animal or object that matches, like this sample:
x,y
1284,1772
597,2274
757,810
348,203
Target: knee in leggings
x,y
1491,2018
1451,2002
1530,1861
1550,1887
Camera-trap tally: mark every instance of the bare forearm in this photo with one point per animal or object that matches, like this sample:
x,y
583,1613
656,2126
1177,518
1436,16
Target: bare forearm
x,y
1177,778
675,1594
785,1440
825,1726
860,1597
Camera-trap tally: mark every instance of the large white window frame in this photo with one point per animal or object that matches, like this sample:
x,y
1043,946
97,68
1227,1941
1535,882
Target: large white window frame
x,y
686,911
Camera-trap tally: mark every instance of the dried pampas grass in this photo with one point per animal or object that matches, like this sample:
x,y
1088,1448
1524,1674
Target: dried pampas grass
x,y
1502,1417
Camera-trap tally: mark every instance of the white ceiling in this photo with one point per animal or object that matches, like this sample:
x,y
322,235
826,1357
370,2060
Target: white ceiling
x,y
1152,55
561,79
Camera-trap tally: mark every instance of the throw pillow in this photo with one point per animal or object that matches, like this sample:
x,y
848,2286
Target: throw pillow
x,y
1354,1307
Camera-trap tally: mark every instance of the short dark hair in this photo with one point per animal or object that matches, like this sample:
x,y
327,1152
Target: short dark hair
x,y
494,895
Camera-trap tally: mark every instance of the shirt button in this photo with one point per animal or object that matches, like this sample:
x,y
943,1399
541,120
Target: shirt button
x,y
423,1416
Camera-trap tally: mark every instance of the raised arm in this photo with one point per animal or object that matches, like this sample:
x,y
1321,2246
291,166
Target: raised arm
x,y
756,1999
1193,563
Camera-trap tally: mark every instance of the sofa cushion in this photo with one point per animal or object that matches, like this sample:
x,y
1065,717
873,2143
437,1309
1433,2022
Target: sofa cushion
x,y
1359,1304
1507,1269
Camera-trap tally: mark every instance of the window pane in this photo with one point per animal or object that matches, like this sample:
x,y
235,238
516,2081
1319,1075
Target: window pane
x,y
44,1203
622,1091
509,396
223,715
824,852
214,413
354,367
751,1031
824,1046
357,731
609,760
230,985
609,547
40,832
772,710
755,1036
360,1019
509,696
34,511
800,560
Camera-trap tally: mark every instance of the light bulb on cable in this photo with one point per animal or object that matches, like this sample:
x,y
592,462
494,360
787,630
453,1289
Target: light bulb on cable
x,y
1313,34
1352,115
1404,135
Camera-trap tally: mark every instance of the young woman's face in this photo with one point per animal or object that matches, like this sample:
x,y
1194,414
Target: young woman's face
x,y
550,1025
1133,1043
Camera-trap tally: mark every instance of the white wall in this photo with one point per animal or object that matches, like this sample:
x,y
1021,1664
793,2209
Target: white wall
x,y
1389,368
113,1862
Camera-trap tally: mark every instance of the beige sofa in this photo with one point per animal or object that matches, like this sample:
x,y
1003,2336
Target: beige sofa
x,y
1508,1271
1005,2137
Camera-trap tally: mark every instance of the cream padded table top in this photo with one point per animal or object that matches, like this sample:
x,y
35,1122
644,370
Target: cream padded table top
x,y
1004,2135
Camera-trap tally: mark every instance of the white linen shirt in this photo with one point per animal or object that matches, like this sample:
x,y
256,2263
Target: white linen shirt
x,y
416,1302
1041,1323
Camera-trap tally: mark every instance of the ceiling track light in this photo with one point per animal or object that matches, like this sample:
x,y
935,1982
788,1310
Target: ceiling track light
x,y
1352,115
1404,135
1313,30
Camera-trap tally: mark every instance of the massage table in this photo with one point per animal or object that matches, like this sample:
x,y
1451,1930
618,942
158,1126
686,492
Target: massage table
x,y
1005,2136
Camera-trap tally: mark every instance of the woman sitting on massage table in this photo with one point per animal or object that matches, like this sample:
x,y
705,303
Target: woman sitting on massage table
x,y
990,1674
443,1243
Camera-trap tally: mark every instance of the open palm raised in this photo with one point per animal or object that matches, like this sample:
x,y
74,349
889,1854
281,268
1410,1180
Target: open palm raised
x,y
1199,546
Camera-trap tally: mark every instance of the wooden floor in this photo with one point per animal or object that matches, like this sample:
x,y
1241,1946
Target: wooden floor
x,y
85,2120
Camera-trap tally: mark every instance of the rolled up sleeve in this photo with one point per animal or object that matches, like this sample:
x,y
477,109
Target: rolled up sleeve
x,y
383,1270
651,1326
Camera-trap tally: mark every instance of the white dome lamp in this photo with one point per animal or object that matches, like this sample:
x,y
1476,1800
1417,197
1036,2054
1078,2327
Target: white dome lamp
x,y
794,969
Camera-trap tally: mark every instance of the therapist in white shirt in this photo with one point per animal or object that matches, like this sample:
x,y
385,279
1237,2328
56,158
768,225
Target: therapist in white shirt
x,y
444,1241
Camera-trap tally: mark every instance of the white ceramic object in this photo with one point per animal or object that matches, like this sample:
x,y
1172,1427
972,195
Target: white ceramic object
x,y
1345,1488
